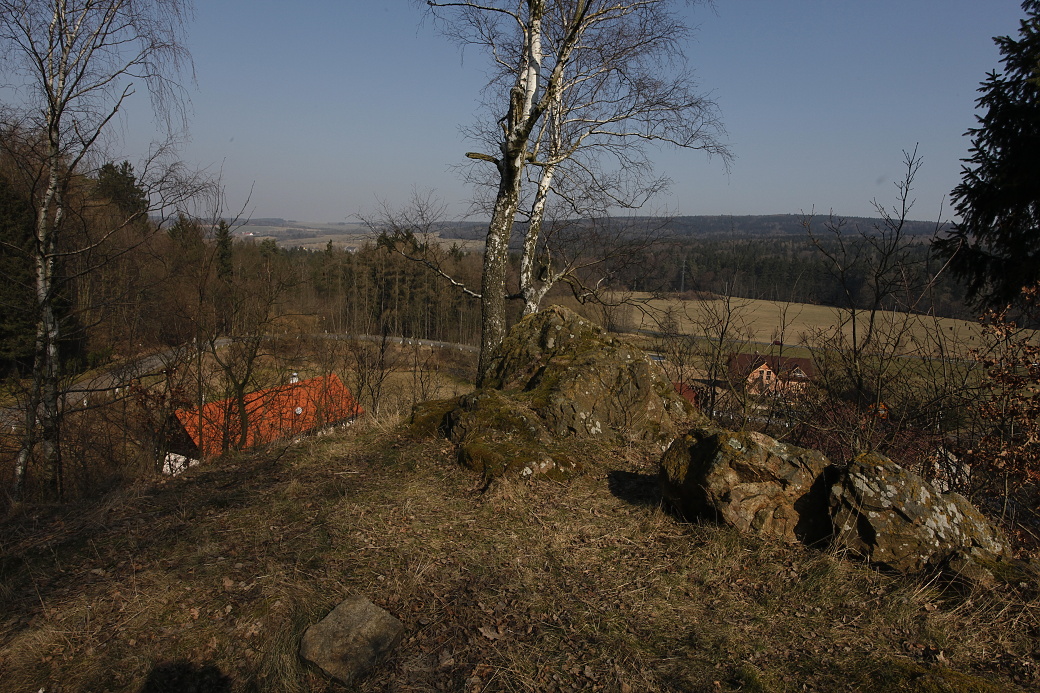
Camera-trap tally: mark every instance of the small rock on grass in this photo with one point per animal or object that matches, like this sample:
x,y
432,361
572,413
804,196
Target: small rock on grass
x,y
351,639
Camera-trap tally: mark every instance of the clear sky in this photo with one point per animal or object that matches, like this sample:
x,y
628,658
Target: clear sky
x,y
321,107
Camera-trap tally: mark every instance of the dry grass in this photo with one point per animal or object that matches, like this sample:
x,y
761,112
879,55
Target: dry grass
x,y
798,322
211,578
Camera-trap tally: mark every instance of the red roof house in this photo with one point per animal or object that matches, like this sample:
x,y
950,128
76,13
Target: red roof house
x,y
763,373
686,392
279,412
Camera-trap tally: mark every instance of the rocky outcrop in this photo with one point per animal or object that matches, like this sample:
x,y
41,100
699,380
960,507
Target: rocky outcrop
x,y
748,481
893,518
531,344
495,434
557,378
872,508
498,436
583,381
351,639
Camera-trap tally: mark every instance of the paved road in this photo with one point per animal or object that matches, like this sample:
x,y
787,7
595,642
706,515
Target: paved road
x,y
116,379
408,341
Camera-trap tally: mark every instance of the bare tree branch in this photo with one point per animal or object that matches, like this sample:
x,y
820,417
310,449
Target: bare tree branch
x,y
74,63
575,83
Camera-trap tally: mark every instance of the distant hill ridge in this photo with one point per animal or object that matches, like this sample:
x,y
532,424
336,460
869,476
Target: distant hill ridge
x,y
717,226
705,226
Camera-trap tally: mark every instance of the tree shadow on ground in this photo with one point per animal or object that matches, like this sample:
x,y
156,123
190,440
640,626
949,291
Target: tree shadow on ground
x,y
148,515
186,677
634,487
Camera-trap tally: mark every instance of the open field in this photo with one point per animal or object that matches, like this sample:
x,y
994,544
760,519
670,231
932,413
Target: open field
x,y
311,236
763,322
350,236
353,242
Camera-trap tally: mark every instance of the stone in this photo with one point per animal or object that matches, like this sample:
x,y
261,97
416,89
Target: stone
x,y
534,341
556,380
351,639
748,481
895,519
582,381
873,509
500,436
429,418
963,567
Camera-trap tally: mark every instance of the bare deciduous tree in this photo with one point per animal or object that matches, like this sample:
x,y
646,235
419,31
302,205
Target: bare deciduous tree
x,y
413,233
883,368
725,327
575,83
72,64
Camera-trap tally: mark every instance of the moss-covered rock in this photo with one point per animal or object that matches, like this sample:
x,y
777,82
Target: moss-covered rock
x,y
557,379
554,333
1016,572
429,418
499,435
582,381
748,481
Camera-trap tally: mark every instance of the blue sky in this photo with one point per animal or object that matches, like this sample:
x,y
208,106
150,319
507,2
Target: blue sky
x,y
321,107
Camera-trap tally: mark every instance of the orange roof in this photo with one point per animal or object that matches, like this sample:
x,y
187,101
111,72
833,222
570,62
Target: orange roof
x,y
686,392
278,412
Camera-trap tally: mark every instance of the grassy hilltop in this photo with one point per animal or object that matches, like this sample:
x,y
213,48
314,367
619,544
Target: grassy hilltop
x,y
212,577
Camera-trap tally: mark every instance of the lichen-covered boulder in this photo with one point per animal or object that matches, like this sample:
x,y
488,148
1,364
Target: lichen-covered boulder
x,y
748,481
872,508
500,436
555,381
897,520
582,381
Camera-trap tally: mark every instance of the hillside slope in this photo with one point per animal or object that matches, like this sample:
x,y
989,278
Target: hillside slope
x,y
209,579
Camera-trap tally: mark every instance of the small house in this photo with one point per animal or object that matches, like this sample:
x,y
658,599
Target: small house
x,y
766,374
686,392
286,411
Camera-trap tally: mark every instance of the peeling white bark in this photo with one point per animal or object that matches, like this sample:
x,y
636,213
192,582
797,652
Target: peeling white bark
x,y
78,60
576,76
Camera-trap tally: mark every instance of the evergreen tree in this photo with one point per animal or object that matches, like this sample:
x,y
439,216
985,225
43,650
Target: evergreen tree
x,y
17,314
996,245
224,265
186,233
118,185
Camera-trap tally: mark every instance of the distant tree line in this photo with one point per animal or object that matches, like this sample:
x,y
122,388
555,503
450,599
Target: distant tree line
x,y
141,301
701,227
792,269
769,257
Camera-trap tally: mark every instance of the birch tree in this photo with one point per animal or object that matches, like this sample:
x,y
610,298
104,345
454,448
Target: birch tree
x,y
68,68
578,89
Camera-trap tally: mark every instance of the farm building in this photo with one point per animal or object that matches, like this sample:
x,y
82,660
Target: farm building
x,y
762,374
686,392
286,411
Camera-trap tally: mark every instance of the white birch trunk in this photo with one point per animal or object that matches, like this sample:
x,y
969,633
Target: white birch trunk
x,y
532,288
518,126
49,329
